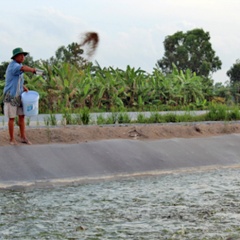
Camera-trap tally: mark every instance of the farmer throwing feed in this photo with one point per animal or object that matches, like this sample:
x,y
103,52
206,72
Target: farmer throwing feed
x,y
14,87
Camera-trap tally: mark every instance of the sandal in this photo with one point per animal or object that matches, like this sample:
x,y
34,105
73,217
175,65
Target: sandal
x,y
26,141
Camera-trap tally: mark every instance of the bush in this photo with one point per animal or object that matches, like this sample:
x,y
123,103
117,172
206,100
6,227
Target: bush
x,y
141,118
124,118
170,117
234,114
85,115
100,119
217,112
156,118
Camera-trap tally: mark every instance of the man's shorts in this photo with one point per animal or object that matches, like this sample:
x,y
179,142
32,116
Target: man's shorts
x,y
12,111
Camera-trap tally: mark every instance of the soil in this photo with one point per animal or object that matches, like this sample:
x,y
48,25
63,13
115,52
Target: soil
x,y
78,134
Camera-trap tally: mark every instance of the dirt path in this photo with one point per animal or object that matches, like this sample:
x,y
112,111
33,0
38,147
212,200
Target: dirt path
x,y
78,134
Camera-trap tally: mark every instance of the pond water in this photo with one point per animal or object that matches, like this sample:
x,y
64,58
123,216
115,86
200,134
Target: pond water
x,y
193,205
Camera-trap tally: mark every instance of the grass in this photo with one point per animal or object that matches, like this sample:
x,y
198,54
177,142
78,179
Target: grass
x,y
216,112
50,120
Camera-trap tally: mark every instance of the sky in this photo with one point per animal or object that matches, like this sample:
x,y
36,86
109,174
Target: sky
x,y
131,32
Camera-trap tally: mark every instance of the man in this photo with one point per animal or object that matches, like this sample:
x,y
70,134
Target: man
x,y
14,87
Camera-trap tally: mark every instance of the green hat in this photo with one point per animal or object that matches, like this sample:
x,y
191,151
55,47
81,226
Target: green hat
x,y
17,51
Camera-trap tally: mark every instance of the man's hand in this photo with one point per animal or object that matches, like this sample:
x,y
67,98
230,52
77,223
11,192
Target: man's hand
x,y
25,89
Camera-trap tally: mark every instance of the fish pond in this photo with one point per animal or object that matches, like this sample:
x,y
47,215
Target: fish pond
x,y
177,205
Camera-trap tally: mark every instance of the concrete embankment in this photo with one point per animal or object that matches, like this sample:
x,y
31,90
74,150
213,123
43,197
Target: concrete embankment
x,y
64,163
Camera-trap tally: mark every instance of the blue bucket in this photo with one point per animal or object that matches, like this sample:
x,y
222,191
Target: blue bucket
x,y
30,103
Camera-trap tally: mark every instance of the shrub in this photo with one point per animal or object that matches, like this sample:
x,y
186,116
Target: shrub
x,y
170,117
156,118
67,118
141,118
217,112
124,118
100,119
85,115
234,114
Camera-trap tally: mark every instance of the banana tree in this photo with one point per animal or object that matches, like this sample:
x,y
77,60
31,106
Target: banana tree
x,y
134,82
190,86
110,87
67,80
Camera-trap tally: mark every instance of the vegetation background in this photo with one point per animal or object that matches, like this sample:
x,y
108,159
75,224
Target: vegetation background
x,y
181,80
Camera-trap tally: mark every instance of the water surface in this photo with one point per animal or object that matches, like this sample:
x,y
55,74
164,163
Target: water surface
x,y
197,205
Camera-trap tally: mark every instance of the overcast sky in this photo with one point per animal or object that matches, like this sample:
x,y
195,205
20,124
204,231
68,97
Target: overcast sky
x,y
131,31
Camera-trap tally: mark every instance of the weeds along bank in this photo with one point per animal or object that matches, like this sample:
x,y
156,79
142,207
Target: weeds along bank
x,y
85,117
215,113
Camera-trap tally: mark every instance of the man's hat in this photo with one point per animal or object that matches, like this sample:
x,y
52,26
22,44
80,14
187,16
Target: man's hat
x,y
17,51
